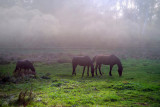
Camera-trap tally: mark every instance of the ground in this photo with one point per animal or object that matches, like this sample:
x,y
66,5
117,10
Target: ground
x,y
138,86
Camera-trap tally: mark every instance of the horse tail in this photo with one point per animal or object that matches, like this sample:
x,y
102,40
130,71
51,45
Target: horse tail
x,y
92,70
94,58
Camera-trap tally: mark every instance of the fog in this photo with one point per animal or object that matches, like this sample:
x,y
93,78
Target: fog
x,y
79,23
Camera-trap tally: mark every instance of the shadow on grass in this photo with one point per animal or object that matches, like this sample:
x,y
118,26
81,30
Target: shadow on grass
x,y
64,75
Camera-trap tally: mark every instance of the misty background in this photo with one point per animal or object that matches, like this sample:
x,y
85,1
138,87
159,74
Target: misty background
x,y
79,23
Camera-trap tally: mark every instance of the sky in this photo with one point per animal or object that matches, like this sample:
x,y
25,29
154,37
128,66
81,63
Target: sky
x,y
78,23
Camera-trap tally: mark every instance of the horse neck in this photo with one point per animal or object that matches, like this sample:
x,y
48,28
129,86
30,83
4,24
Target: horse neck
x,y
119,65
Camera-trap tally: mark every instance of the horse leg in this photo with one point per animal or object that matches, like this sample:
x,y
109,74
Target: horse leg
x,y
83,70
96,68
100,69
74,68
111,66
88,71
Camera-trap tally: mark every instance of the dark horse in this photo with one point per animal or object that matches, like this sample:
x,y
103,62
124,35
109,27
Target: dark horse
x,y
82,61
26,65
107,60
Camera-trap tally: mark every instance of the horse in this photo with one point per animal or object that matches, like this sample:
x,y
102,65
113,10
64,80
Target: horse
x,y
26,65
82,61
107,60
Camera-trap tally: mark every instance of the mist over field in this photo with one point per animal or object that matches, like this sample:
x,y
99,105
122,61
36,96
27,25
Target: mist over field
x,y
79,23
70,53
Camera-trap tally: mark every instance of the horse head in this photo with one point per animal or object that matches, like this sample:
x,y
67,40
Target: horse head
x,y
120,69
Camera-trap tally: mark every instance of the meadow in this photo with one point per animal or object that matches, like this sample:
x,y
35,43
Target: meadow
x,y
55,86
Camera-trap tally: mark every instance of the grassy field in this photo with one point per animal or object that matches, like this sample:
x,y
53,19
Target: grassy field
x,y
139,86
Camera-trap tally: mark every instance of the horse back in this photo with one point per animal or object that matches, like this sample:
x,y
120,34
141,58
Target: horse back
x,y
106,59
81,60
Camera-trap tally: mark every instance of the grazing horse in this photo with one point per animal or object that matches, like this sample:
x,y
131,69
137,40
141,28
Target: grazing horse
x,y
26,65
82,61
107,60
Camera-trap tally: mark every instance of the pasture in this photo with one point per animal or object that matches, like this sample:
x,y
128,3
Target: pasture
x,y
55,85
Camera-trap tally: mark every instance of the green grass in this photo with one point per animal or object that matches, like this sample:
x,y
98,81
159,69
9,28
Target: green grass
x,y
139,85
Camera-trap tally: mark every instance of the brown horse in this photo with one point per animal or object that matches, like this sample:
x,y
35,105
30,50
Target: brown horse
x,y
107,60
26,65
82,61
